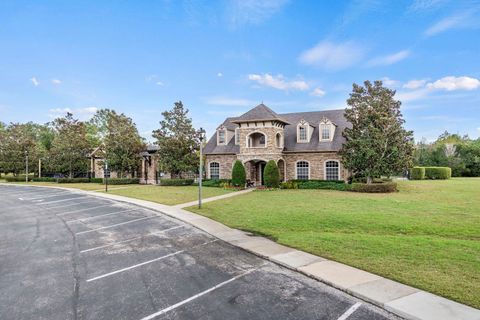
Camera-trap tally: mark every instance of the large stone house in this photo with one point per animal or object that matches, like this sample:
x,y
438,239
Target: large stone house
x,y
305,145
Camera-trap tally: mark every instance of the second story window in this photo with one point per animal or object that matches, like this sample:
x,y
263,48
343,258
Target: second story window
x,y
237,136
325,131
302,133
221,137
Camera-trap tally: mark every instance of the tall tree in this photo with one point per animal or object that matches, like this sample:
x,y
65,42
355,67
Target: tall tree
x,y
16,141
376,144
122,143
70,146
178,141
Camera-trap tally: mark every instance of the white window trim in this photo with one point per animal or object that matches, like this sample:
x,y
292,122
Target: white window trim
x,y
296,171
248,137
325,169
331,127
307,126
209,171
218,136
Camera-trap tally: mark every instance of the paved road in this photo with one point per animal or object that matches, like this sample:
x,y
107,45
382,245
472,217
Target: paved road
x,y
66,255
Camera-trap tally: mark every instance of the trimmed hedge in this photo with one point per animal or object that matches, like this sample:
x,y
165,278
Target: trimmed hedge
x,y
316,184
441,173
117,181
239,177
73,180
385,187
417,173
44,179
176,182
17,179
219,183
271,175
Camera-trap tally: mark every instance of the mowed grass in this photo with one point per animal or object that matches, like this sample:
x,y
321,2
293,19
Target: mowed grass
x,y
167,195
159,194
427,235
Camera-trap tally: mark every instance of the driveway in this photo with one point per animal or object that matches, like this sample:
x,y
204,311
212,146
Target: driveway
x,y
67,255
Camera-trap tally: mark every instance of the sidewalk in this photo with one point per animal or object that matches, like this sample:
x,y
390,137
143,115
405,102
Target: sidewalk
x,y
405,301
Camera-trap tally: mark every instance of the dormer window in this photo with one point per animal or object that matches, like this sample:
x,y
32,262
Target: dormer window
x,y
303,132
221,136
326,130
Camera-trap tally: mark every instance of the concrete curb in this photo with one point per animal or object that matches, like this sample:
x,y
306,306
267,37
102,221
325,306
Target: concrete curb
x,y
402,300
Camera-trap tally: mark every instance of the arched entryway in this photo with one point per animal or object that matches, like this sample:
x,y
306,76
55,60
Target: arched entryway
x,y
254,169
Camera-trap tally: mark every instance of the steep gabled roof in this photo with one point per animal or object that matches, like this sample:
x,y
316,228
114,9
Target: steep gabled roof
x,y
259,113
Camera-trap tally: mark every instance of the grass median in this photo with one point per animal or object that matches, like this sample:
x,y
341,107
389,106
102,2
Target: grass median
x,y
427,235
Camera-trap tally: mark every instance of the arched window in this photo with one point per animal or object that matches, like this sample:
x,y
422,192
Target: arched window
x,y
332,170
303,170
214,170
278,140
256,140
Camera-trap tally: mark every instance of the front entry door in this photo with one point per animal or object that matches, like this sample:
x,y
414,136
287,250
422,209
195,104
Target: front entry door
x,y
262,168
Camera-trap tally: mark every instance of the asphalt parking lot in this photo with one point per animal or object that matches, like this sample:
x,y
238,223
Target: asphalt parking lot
x,y
67,255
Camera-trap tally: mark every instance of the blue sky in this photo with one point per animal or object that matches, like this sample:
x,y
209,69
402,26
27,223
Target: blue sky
x,y
223,57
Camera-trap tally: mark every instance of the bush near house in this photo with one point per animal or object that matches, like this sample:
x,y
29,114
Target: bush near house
x,y
176,182
271,175
120,181
438,173
417,173
239,177
316,184
219,183
385,187
17,178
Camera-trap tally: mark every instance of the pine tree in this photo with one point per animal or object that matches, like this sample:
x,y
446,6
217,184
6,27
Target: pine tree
x,y
376,144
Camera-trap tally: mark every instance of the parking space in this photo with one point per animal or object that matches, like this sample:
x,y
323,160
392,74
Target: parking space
x,y
67,255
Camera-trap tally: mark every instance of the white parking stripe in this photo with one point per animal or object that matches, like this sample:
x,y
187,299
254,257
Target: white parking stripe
x,y
84,209
128,240
63,200
101,215
146,262
47,195
67,205
116,225
349,312
198,295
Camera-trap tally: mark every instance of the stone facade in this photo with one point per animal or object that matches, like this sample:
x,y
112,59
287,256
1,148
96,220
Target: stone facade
x,y
226,162
316,163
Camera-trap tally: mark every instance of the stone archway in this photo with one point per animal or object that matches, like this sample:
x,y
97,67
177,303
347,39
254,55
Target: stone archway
x,y
254,170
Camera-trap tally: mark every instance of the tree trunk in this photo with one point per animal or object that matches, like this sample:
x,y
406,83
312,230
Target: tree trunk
x,y
369,180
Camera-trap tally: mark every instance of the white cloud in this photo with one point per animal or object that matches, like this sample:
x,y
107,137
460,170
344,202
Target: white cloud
x,y
412,95
56,81
87,110
455,83
390,82
421,5
226,101
317,92
153,78
389,59
242,12
34,81
415,84
159,83
463,19
333,56
219,74
60,110
81,111
278,82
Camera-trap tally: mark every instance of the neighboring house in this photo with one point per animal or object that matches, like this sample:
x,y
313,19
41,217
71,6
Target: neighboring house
x,y
149,173
97,161
305,145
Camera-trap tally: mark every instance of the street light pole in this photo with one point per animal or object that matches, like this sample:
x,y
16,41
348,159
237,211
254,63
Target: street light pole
x,y
200,177
105,175
26,166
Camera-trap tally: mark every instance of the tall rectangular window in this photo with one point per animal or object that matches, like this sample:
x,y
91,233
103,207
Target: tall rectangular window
x,y
237,136
302,132
214,170
302,170
332,169
221,137
325,130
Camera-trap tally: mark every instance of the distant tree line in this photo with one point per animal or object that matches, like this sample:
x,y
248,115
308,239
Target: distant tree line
x,y
64,144
460,153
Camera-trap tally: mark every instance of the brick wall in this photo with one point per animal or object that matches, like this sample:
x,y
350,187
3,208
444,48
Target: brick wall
x,y
226,164
316,164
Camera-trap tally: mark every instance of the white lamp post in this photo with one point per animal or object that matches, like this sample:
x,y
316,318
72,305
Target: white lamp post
x,y
201,132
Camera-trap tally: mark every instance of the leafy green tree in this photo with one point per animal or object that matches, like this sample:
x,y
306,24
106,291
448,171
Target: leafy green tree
x,y
123,144
178,141
271,175
70,147
239,177
376,143
16,141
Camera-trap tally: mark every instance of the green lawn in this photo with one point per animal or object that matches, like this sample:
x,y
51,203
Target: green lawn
x,y
159,194
427,235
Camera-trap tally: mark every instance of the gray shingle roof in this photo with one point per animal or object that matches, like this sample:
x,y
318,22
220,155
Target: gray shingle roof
x,y
259,113
290,142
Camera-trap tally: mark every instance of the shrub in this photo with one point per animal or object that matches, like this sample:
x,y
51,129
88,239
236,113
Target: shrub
x,y
73,180
17,178
216,182
44,179
271,175
438,173
385,187
323,184
239,177
417,173
290,184
117,181
97,180
176,182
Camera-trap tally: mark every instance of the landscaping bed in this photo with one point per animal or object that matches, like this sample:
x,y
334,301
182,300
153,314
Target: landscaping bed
x,y
425,236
